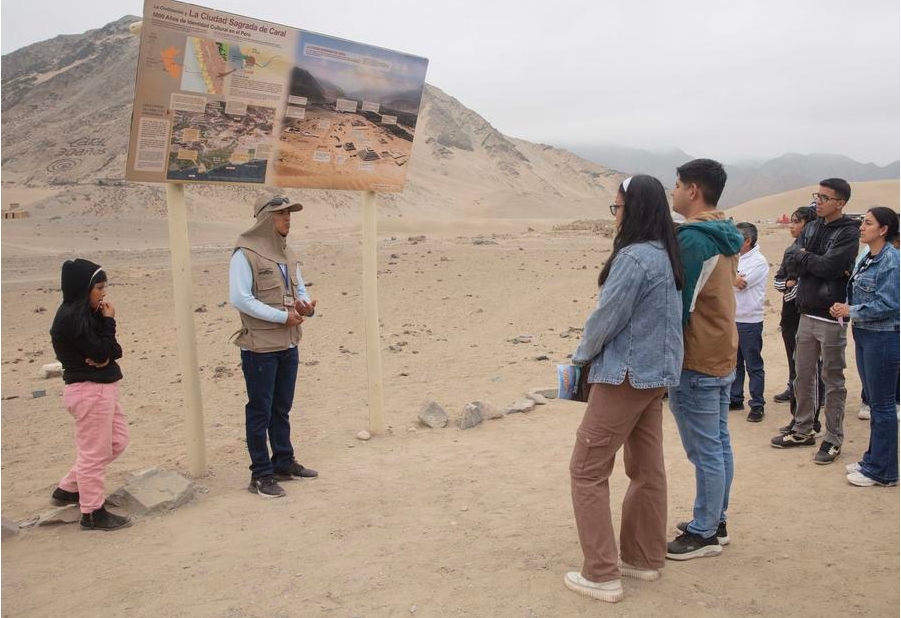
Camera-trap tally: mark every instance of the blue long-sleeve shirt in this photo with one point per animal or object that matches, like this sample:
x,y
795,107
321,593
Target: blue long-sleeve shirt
x,y
240,290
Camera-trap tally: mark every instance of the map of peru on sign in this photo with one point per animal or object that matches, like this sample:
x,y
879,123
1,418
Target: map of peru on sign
x,y
221,98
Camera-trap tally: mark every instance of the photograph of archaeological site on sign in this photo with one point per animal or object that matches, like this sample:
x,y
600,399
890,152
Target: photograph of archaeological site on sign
x,y
350,116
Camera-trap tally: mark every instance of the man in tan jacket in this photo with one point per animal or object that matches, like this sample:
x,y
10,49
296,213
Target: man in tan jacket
x,y
267,288
700,403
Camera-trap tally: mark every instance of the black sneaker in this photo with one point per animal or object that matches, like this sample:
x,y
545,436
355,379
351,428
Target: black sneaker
x,y
756,414
295,471
827,453
101,519
783,397
793,439
736,405
689,545
266,487
61,497
721,535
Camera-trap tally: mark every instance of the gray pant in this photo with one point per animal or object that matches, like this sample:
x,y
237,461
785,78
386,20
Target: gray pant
x,y
815,339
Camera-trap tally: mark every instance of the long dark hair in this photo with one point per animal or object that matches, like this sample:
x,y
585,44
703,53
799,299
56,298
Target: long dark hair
x,y
646,217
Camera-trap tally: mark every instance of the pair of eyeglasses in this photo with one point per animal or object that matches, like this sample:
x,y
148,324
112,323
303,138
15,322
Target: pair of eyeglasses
x,y
820,197
614,207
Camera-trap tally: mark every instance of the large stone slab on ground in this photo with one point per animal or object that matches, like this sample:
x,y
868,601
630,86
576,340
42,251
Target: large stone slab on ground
x,y
538,398
432,415
154,490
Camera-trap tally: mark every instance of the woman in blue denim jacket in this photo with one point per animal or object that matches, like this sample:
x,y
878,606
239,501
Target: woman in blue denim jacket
x,y
873,307
633,344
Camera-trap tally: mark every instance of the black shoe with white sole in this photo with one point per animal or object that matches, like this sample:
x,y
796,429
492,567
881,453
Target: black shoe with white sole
x,y
689,545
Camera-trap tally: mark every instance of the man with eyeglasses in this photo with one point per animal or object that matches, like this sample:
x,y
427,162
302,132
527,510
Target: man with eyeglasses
x,y
828,246
267,288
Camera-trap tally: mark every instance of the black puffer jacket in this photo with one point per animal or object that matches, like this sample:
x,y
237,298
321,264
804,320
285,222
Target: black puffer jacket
x,y
824,264
79,333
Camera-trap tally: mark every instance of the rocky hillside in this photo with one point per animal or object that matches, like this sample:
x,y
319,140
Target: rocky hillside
x,y
67,105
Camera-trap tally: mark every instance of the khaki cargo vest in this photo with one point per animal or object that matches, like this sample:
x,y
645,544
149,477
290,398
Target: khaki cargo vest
x,y
269,287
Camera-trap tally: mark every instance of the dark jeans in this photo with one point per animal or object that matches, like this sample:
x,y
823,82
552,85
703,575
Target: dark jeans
x,y
877,361
270,379
750,343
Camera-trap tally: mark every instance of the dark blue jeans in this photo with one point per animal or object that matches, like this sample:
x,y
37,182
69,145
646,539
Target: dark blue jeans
x,y
750,343
270,379
877,362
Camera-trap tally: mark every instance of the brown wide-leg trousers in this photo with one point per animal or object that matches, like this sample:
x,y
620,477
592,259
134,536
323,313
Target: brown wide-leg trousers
x,y
620,415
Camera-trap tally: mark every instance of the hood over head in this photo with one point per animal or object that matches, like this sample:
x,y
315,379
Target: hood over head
x,y
78,276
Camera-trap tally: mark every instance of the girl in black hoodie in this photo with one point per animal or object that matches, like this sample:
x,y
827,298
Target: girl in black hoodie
x,y
84,339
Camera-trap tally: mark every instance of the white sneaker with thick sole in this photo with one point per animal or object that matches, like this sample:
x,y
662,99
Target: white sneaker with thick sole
x,y
611,592
858,479
647,575
864,412
852,467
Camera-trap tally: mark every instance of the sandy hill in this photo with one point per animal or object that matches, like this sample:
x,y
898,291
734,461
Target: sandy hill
x,y
864,195
67,105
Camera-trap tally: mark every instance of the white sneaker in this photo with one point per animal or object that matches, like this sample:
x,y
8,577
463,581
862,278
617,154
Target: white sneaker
x,y
611,592
857,478
648,575
852,467
864,412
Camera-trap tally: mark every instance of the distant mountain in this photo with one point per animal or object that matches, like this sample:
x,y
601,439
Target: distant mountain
x,y
746,181
661,165
67,106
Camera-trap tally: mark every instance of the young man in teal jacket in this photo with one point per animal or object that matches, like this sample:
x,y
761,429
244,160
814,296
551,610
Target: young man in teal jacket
x,y
700,403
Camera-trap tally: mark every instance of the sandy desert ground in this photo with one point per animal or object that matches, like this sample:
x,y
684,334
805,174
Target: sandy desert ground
x,y
417,522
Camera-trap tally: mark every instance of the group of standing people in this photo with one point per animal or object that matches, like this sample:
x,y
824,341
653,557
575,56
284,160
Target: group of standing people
x,y
683,311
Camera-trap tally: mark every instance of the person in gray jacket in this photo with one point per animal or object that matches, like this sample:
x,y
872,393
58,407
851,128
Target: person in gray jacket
x,y
632,349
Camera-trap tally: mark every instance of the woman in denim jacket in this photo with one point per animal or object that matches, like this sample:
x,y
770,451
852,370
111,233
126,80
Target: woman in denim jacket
x,y
873,307
632,343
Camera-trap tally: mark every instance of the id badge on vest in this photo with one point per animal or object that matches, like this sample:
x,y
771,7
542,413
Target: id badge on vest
x,y
287,299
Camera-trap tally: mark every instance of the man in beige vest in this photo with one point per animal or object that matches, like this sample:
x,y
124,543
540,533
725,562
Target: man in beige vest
x,y
267,288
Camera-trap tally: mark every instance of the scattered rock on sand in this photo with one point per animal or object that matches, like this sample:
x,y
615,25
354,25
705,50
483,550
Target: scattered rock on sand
x,y
520,405
470,417
538,398
487,411
363,435
548,392
51,370
432,415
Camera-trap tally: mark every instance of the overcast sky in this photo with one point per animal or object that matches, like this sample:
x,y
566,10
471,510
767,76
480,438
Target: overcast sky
x,y
727,80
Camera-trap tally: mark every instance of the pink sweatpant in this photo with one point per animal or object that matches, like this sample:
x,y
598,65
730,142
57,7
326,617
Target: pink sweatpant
x,y
101,435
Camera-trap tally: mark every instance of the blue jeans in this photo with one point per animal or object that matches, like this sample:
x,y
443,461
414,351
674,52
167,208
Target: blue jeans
x,y
877,361
750,343
270,379
700,405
